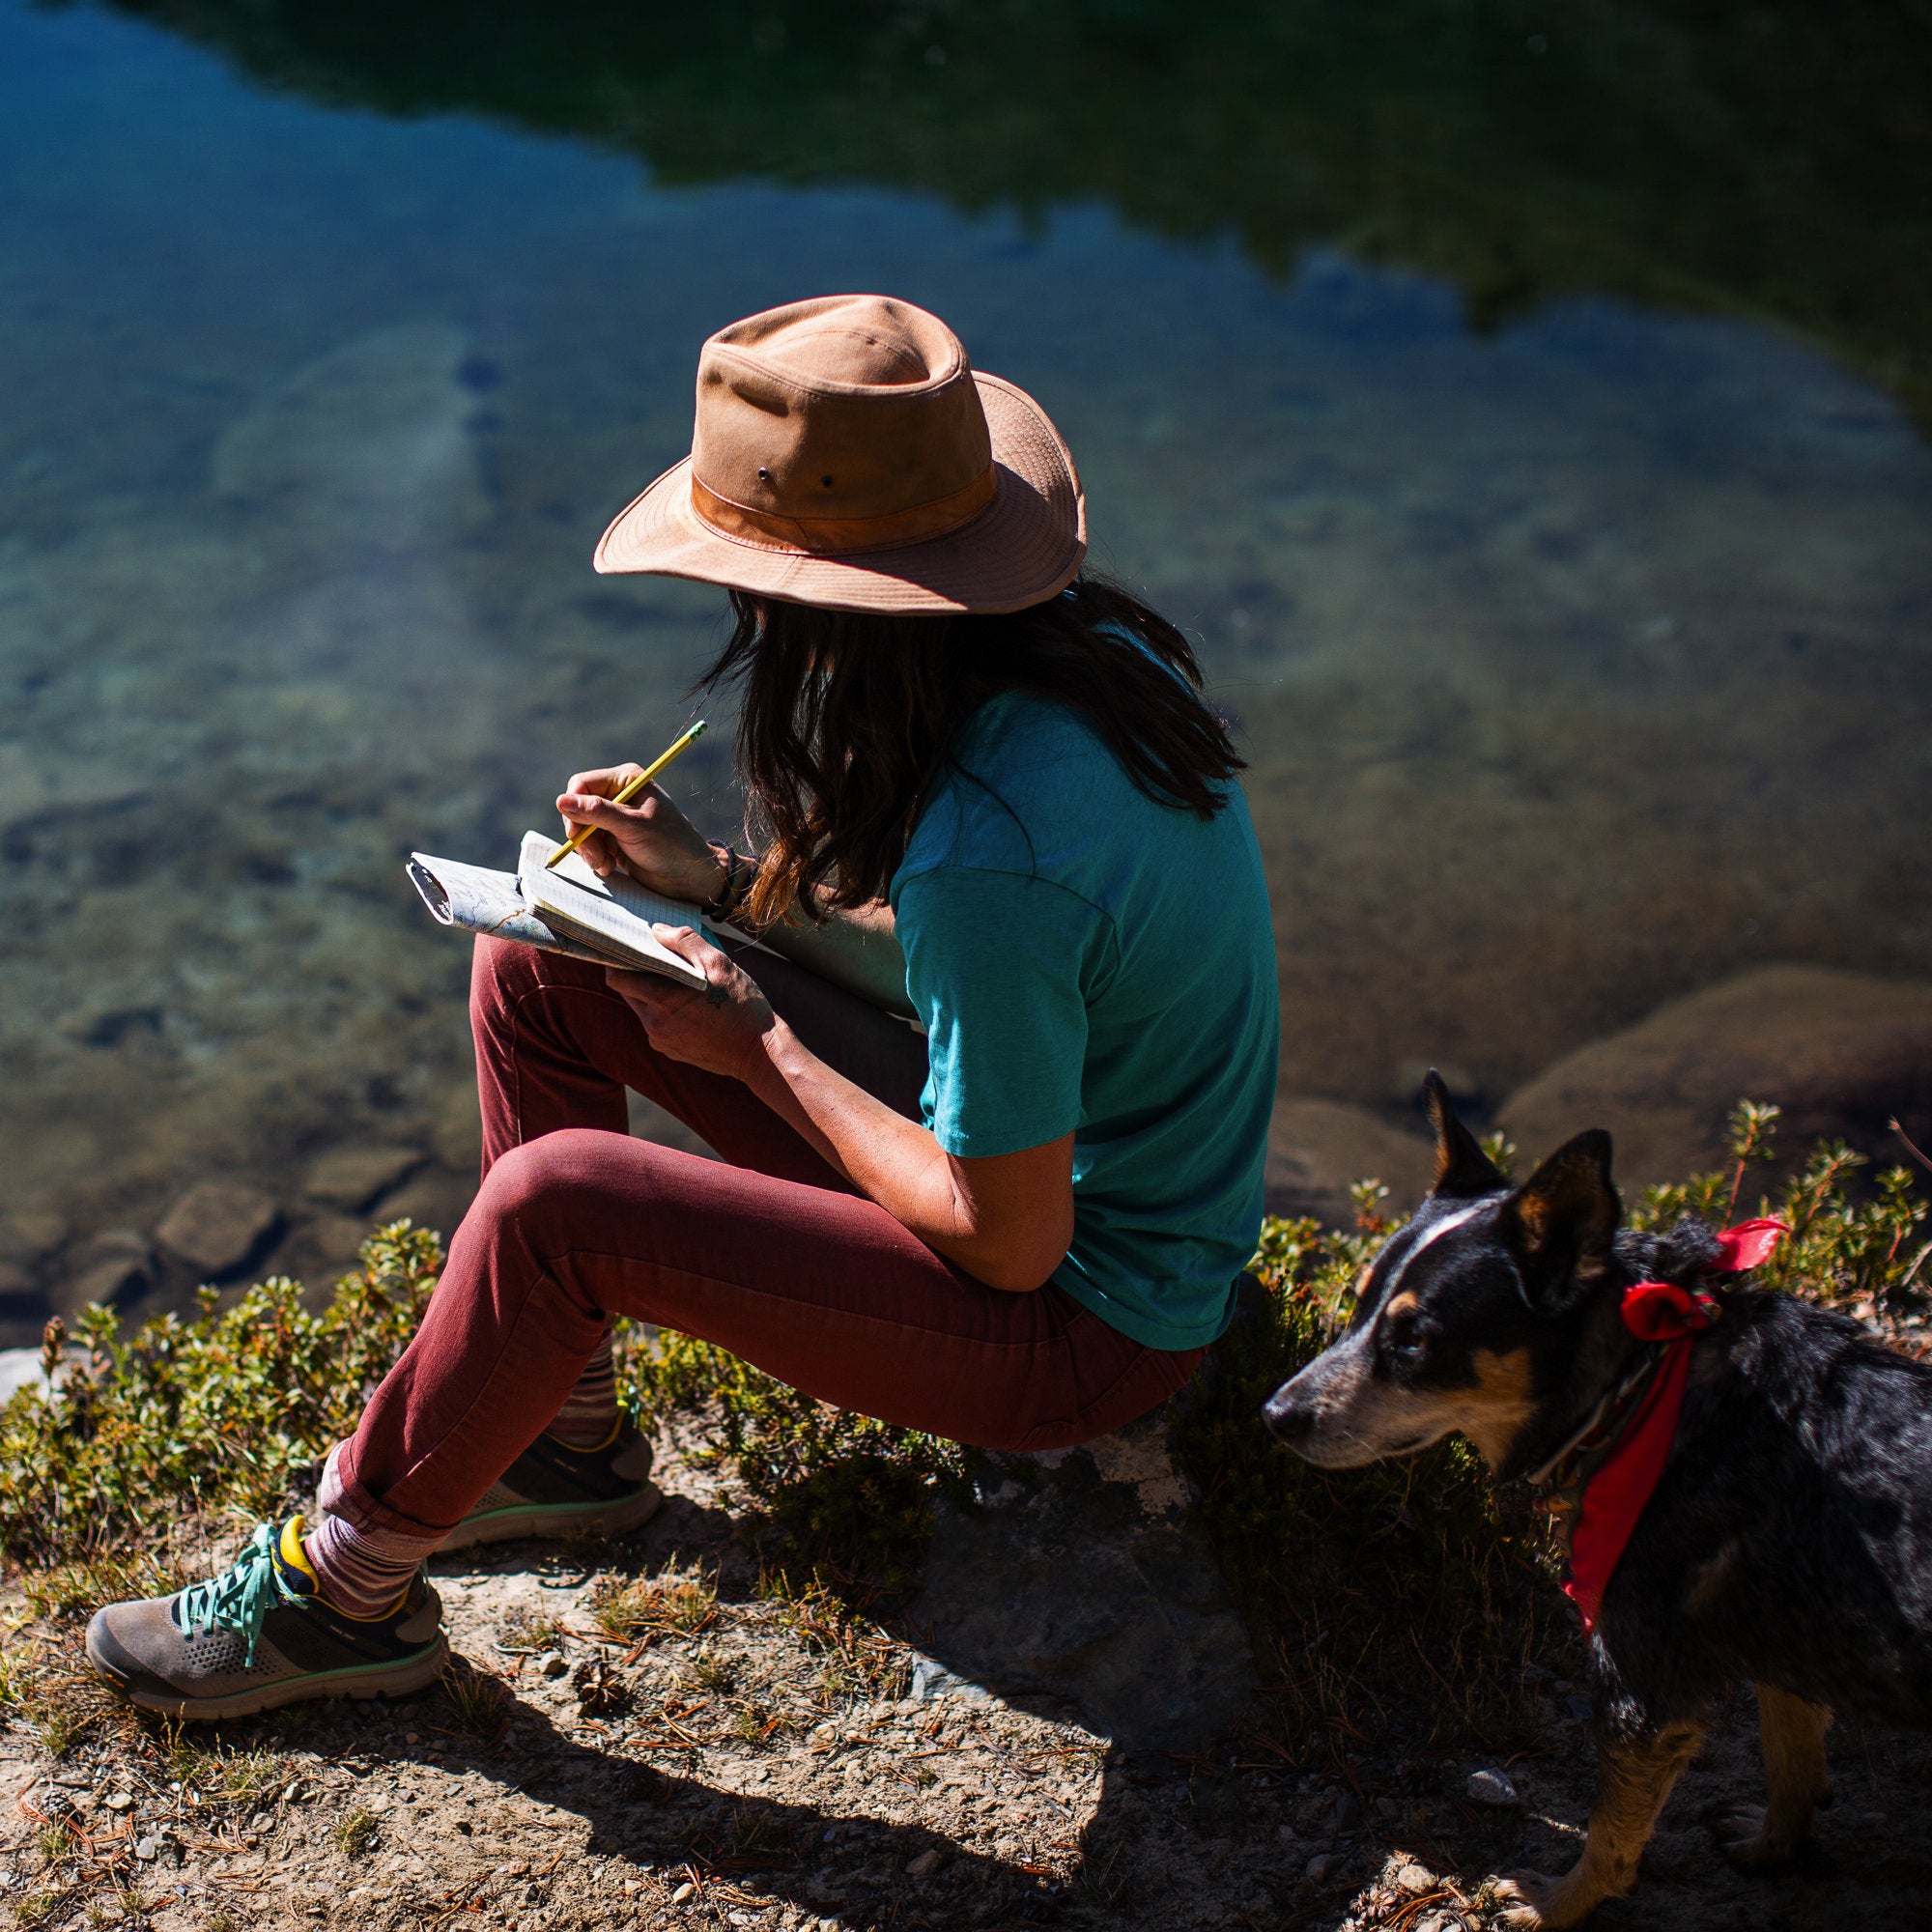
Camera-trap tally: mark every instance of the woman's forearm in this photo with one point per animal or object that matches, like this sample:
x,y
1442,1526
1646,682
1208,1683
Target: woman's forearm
x,y
1007,1220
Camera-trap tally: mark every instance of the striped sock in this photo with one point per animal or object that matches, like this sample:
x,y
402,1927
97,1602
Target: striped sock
x,y
363,1574
589,1412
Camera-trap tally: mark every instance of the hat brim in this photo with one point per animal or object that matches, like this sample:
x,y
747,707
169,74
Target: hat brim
x,y
1023,548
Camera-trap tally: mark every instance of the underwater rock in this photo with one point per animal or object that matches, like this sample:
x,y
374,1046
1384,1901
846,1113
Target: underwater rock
x,y
436,1198
1840,1052
336,1238
1083,1577
1317,1148
356,1178
36,784
111,1267
367,445
218,1225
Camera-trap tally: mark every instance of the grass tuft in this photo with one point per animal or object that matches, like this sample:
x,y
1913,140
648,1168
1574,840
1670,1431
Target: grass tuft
x,y
674,1603
535,1632
214,1774
859,1658
355,1836
478,1700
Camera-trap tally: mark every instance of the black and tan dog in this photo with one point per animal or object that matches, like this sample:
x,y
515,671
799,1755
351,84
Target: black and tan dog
x,y
1788,1539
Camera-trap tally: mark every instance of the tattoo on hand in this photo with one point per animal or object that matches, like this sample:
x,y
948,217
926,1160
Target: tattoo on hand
x,y
717,996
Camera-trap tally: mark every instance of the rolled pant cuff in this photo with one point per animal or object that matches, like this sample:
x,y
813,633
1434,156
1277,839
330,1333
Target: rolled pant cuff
x,y
389,1530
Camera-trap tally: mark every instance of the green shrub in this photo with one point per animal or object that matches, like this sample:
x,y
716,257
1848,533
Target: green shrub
x,y
1861,1250
223,1413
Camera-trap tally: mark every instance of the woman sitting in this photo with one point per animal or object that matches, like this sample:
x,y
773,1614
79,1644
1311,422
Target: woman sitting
x,y
990,800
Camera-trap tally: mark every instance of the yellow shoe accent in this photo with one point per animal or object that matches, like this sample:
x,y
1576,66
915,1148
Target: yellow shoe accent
x,y
355,1617
294,1554
590,1448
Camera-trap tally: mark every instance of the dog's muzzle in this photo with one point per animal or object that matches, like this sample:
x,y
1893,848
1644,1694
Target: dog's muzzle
x,y
1289,1415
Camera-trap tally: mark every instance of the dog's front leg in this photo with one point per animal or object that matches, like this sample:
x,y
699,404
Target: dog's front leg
x,y
1792,1733
1637,1776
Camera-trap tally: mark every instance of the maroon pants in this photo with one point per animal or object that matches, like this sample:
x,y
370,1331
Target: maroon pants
x,y
768,1252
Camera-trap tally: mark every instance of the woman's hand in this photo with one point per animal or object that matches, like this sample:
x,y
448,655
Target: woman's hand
x,y
650,839
721,1029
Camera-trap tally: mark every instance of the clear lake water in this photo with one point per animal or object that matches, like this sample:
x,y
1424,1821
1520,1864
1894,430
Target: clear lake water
x,y
1560,546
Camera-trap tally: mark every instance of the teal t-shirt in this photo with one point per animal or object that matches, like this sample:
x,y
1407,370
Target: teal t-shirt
x,y
1084,958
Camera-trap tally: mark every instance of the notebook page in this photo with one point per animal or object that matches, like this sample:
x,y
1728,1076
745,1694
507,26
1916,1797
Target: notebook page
x,y
620,888
617,911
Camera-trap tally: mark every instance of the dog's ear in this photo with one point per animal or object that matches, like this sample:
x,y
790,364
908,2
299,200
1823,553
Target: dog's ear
x,y
1566,1215
1461,1167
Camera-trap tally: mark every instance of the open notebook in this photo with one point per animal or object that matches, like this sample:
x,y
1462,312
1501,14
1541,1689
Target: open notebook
x,y
570,910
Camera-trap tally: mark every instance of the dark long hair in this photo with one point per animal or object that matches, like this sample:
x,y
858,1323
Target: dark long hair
x,y
847,720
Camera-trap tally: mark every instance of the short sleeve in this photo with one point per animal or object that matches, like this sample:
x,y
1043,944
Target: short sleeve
x,y
999,968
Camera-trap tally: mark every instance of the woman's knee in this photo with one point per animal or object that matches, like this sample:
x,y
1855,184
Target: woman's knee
x,y
559,1186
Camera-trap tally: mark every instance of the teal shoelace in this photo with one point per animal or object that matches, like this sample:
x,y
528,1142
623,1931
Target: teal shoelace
x,y
239,1598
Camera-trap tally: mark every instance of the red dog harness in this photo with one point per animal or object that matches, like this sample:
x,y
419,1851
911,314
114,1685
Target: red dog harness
x,y
1610,1471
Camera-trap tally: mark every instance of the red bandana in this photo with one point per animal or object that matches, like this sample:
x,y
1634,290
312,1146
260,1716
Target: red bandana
x,y
1624,1482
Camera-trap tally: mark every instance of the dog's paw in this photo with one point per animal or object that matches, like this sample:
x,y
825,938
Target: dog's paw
x,y
1744,1836
1526,1893
1540,1904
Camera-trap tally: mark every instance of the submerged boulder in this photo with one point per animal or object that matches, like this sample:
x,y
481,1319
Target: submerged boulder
x,y
369,444
218,1225
354,1179
1318,1149
113,1266
1841,1053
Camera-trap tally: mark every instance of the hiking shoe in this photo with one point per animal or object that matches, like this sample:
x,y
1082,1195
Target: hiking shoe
x,y
555,1489
261,1635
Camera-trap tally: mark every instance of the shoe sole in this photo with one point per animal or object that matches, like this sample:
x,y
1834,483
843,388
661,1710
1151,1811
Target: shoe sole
x,y
522,1520
359,1681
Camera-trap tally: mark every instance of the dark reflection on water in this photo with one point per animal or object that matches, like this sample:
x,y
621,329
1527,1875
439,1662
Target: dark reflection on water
x,y
1765,157
1580,655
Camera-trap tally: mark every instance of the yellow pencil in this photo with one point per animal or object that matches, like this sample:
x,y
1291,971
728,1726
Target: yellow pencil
x,y
624,794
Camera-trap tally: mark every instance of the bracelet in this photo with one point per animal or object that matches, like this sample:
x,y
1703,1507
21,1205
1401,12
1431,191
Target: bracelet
x,y
731,895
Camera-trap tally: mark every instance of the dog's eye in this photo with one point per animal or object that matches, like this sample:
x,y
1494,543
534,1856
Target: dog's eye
x,y
1403,1338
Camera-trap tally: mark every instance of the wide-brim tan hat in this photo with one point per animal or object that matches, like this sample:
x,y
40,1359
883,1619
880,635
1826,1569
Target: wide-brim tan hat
x,y
846,454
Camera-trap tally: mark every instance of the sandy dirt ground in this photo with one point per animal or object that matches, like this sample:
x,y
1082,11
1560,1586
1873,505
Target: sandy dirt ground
x,y
745,1759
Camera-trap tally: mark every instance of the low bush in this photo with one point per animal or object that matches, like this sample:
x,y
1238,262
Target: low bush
x,y
225,1413
1405,1585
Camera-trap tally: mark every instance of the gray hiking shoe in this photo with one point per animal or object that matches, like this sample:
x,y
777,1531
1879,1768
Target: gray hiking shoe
x,y
261,1635
555,1490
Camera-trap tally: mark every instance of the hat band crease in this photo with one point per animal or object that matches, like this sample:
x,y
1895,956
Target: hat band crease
x,y
832,536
